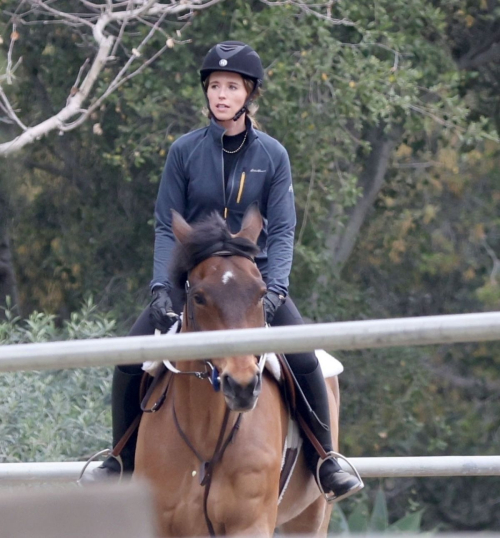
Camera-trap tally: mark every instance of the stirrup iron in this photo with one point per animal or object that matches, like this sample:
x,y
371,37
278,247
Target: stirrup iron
x,y
330,498
106,452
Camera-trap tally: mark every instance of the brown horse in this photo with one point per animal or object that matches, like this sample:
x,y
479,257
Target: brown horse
x,y
225,291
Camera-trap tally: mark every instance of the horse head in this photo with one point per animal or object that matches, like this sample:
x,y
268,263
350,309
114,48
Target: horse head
x,y
224,290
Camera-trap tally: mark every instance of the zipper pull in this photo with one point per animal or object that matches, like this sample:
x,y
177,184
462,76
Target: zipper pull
x,y
226,211
242,185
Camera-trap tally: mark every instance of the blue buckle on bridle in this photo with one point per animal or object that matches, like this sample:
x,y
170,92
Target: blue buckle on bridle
x,y
215,379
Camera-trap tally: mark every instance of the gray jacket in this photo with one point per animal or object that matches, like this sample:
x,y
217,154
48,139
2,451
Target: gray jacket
x,y
192,183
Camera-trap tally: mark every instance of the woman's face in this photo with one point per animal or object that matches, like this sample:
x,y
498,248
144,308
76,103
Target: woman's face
x,y
226,94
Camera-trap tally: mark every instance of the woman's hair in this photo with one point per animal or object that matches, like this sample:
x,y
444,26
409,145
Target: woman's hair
x,y
253,107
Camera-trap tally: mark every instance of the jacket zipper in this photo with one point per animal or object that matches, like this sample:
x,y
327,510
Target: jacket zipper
x,y
231,179
242,181
226,210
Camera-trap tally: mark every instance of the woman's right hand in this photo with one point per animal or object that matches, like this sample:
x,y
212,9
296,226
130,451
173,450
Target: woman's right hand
x,y
161,312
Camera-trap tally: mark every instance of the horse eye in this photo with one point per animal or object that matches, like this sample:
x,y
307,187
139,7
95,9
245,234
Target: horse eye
x,y
199,299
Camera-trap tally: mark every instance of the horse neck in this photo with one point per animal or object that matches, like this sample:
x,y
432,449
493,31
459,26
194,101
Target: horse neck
x,y
199,408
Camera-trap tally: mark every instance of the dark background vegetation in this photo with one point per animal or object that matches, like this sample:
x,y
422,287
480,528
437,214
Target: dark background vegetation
x,y
392,129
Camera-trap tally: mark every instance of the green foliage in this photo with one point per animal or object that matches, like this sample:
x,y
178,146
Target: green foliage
x,y
361,521
54,415
85,203
41,327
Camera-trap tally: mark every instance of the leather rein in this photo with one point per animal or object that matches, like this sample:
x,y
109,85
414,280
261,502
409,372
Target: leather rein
x,y
210,373
206,466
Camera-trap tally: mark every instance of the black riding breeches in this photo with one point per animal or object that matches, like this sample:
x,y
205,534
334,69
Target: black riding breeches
x,y
287,314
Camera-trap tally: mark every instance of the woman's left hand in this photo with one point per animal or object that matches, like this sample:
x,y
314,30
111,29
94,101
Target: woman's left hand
x,y
272,301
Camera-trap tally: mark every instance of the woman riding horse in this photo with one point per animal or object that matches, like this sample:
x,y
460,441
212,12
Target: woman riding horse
x,y
227,167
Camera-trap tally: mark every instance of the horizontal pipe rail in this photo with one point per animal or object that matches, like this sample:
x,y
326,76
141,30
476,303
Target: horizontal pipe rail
x,y
396,467
348,335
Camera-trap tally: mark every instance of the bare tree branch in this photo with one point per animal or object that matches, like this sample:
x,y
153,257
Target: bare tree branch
x,y
101,22
308,203
122,30
92,6
13,39
496,262
63,15
9,110
312,9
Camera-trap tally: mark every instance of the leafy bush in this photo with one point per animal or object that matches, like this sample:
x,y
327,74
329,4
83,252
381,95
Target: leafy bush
x,y
362,521
54,415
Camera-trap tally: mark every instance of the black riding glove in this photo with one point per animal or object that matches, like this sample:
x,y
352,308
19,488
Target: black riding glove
x,y
161,312
272,301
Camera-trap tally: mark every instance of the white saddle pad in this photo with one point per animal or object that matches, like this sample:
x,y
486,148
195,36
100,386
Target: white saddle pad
x,y
329,364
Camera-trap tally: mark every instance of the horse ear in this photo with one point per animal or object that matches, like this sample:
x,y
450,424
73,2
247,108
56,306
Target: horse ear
x,y
251,225
180,227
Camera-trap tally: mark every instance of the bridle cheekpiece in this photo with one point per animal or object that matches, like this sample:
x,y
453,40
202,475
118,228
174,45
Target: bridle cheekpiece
x,y
211,373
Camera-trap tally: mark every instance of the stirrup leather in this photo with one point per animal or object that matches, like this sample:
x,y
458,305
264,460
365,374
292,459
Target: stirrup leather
x,y
105,452
330,498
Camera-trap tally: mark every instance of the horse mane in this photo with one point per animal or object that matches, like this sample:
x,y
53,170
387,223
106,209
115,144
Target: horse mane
x,y
208,236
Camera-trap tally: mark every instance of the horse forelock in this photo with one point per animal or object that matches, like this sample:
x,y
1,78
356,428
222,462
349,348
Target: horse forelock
x,y
208,236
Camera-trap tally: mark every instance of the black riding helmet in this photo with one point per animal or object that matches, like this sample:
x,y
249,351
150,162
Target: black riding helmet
x,y
236,57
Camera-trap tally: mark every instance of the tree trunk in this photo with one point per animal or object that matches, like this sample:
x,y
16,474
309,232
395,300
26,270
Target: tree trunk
x,y
7,275
371,182
341,244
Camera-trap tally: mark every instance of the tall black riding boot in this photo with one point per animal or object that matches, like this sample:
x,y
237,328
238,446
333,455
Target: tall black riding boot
x,y
334,482
125,406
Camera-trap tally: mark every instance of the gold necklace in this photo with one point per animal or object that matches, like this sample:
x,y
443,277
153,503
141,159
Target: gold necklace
x,y
238,149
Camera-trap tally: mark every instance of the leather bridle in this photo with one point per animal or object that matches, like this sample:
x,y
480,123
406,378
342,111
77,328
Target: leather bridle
x,y
210,373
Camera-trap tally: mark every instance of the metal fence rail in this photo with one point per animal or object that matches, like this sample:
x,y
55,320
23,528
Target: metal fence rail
x,y
400,467
331,336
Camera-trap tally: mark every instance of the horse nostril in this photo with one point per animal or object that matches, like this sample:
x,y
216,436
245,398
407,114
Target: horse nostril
x,y
230,385
234,389
257,382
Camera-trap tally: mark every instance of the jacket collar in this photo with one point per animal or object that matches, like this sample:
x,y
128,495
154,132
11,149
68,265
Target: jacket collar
x,y
216,131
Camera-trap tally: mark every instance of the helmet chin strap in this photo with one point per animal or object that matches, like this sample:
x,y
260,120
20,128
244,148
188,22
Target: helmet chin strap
x,y
248,102
240,112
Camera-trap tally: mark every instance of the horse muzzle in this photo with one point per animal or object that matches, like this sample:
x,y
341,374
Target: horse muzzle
x,y
241,397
